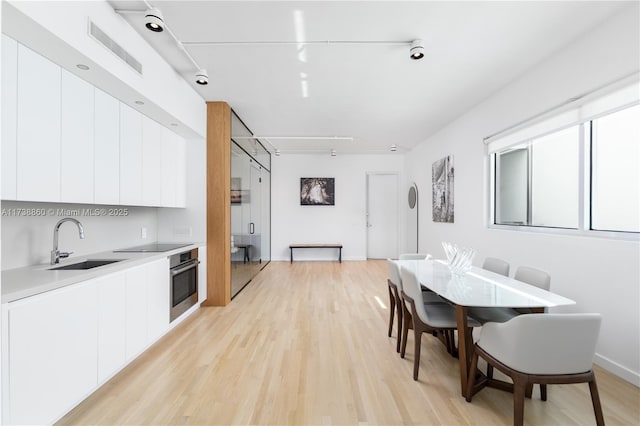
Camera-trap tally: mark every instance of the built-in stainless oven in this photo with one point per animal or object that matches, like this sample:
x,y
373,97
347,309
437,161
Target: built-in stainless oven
x,y
183,269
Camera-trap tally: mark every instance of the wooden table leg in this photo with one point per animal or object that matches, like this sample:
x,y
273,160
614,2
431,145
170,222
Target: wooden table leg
x,y
465,347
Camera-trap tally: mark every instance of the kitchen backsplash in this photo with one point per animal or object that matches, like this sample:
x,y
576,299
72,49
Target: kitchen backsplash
x,y
27,230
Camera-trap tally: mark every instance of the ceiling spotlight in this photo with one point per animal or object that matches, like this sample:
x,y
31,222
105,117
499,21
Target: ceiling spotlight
x,y
417,49
202,77
83,67
277,153
333,153
153,20
139,103
393,148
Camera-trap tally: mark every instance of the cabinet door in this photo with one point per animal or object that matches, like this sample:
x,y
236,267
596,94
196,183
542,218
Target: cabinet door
x,y
151,162
181,173
130,156
106,149
136,311
202,274
52,353
168,176
76,143
9,117
38,130
158,293
111,325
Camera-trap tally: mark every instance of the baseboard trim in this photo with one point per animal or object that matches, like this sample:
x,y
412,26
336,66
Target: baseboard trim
x,y
617,369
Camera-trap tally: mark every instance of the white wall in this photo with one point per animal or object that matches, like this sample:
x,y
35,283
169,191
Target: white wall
x,y
343,223
601,275
28,240
189,224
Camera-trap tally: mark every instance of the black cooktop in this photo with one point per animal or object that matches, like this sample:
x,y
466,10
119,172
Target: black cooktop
x,y
153,247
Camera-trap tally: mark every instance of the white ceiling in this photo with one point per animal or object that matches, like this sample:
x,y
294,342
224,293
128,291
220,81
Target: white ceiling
x,y
371,92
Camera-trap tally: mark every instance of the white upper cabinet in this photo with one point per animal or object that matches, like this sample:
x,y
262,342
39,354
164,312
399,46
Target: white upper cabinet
x,y
9,110
106,149
38,128
151,166
130,156
76,143
173,169
65,140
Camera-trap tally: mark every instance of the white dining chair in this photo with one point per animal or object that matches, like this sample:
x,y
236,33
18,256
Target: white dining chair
x,y
533,276
496,265
427,318
540,348
394,283
484,315
395,300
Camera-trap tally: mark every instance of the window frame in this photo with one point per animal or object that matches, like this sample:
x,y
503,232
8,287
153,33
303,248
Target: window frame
x,y
585,190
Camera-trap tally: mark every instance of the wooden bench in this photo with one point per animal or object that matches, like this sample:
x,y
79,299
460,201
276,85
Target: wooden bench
x,y
298,246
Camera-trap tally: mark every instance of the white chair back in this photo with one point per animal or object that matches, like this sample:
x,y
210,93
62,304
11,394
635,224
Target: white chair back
x,y
544,343
496,265
414,256
412,289
394,273
534,277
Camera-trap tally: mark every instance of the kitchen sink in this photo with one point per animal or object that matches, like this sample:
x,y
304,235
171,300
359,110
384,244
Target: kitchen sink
x,y
87,264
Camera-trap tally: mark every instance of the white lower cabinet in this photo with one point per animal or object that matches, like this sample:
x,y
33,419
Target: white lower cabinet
x,y
111,325
158,302
53,345
63,344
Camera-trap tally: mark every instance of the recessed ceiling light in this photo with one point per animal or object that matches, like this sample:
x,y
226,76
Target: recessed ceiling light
x,y
333,153
154,20
277,152
83,67
174,124
139,103
393,148
417,49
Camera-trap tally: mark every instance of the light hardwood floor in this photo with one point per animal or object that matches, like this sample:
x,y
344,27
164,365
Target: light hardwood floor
x,y
306,344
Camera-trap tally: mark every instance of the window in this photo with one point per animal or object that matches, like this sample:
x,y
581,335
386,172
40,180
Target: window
x,y
615,172
578,169
538,181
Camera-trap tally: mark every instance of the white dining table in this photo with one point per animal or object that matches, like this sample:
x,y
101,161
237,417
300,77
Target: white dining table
x,y
478,288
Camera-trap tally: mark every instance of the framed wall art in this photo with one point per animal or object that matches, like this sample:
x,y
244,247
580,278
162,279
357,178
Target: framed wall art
x,y
317,191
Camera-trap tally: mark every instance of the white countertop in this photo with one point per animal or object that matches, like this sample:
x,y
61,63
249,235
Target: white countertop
x,y
28,281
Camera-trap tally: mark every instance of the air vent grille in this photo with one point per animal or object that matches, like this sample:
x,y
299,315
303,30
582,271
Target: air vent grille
x,y
119,51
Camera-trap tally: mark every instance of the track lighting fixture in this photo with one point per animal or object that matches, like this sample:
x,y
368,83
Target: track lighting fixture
x,y
202,77
417,49
154,20
333,153
393,148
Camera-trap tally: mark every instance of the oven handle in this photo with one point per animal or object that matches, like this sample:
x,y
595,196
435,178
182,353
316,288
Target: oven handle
x,y
192,265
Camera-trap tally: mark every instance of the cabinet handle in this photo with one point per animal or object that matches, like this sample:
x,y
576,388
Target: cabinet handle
x,y
252,228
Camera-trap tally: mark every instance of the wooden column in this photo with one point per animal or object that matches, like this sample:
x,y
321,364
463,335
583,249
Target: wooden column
x,y
218,204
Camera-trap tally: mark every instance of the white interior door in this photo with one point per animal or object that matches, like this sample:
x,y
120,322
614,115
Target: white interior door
x,y
382,216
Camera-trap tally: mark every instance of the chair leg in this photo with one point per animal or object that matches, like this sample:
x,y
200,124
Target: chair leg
x,y
392,309
543,392
405,333
472,376
529,390
489,371
400,319
595,400
519,390
417,338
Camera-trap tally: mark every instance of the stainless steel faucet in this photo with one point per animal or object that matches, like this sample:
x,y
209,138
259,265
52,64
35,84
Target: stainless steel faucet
x,y
55,253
